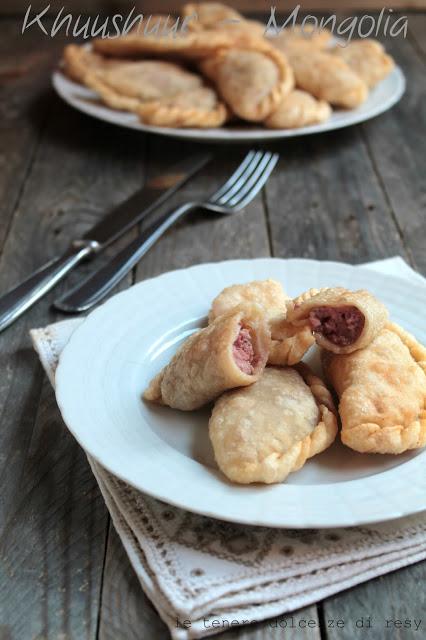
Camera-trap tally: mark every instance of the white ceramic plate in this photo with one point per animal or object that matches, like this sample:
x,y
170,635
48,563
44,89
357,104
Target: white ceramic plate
x,y
380,99
166,453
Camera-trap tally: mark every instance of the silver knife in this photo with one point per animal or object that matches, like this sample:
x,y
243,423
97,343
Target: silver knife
x,y
16,301
95,288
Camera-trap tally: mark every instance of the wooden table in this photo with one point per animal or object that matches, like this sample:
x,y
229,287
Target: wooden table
x,y
353,195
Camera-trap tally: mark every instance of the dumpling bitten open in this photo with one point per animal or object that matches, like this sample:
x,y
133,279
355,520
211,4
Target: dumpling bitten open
x,y
342,321
264,432
231,352
287,347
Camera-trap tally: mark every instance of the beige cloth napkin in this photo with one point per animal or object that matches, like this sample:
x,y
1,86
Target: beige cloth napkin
x,y
196,570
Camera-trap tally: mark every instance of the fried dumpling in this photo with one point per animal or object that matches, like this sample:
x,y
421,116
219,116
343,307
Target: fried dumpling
x,y
251,80
231,352
342,321
269,294
78,61
382,393
264,432
187,45
292,37
298,109
199,108
367,58
126,84
327,77
287,348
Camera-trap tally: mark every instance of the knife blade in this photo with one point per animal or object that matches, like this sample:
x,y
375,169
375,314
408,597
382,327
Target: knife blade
x,y
156,191
16,301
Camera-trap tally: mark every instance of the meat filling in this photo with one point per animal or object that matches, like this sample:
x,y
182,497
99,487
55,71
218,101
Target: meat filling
x,y
340,325
243,352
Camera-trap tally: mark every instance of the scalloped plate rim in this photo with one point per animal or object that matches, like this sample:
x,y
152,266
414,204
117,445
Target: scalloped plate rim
x,y
183,502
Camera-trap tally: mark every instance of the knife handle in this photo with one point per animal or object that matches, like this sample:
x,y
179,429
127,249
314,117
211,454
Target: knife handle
x,y
96,287
16,301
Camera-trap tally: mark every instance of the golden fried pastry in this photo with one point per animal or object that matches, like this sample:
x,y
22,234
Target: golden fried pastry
x,y
79,60
293,37
231,352
269,294
327,77
252,80
342,321
214,15
367,58
298,109
125,85
287,347
264,432
382,393
183,45
199,108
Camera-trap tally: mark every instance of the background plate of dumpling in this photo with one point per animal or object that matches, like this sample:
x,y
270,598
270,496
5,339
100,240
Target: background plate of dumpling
x,y
166,453
380,99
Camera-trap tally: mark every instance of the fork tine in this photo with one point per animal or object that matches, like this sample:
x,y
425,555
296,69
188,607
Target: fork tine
x,y
235,176
255,183
248,178
238,184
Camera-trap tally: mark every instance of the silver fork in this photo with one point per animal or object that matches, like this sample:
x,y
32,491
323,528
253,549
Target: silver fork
x,y
244,184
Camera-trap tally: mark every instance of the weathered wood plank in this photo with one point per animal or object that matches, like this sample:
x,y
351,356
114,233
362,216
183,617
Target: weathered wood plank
x,y
417,31
396,147
48,492
68,190
394,604
326,203
126,612
205,237
24,77
52,548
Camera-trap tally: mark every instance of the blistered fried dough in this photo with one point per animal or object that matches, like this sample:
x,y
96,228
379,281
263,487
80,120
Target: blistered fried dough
x,y
231,352
327,77
269,294
416,349
79,60
125,85
382,393
293,37
214,15
252,80
135,84
287,348
342,321
368,59
185,45
298,109
200,108
264,432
